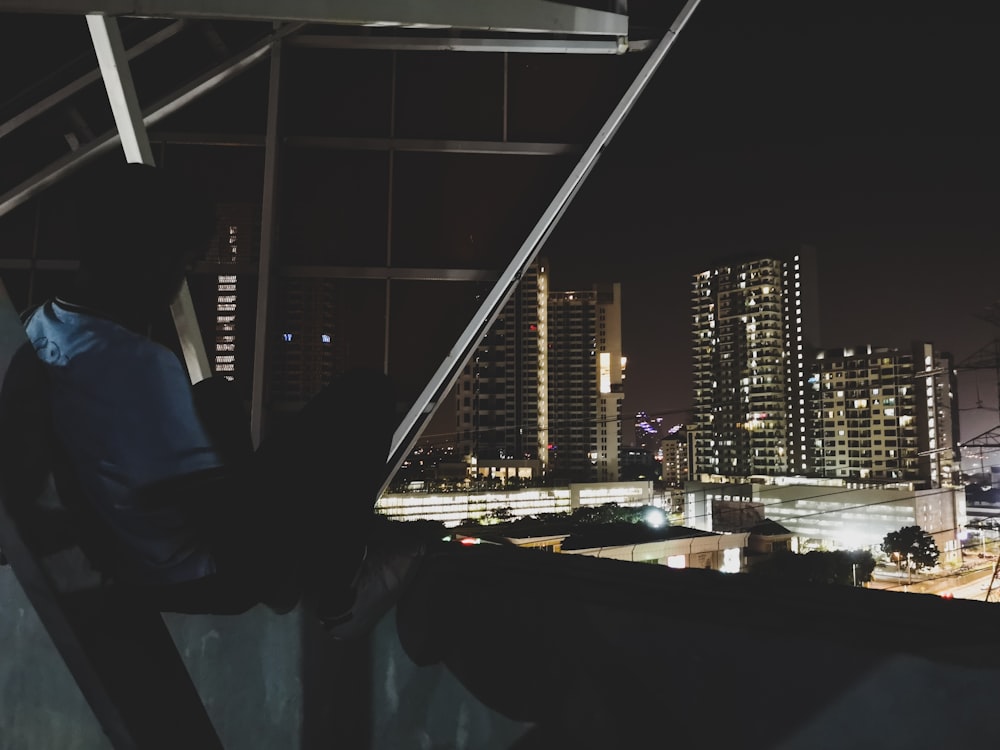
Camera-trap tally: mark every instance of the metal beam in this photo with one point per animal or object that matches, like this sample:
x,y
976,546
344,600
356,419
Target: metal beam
x,y
987,358
465,44
502,148
113,63
189,335
166,106
389,208
513,16
375,273
268,215
447,373
988,439
85,80
395,274
226,140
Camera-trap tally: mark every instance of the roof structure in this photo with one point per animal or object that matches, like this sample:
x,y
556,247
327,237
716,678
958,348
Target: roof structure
x,y
261,28
767,527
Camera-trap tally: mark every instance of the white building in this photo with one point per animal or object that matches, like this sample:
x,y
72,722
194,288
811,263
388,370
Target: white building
x,y
453,508
837,515
752,320
884,414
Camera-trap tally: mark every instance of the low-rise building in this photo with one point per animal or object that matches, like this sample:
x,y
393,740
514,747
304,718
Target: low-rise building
x,y
835,514
452,508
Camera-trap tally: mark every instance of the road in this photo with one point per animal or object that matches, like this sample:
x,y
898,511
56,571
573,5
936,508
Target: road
x,y
967,584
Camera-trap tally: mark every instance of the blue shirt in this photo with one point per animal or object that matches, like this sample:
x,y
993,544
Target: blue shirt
x,y
123,410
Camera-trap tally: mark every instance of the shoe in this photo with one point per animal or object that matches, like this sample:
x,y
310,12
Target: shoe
x,y
382,576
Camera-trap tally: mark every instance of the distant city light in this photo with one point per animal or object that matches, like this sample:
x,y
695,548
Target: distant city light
x,y
730,561
655,518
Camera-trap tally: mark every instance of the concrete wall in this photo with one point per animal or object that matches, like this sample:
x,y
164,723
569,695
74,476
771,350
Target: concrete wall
x,y
268,682
247,670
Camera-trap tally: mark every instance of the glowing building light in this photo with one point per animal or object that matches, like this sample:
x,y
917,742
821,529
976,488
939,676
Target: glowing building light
x,y
605,372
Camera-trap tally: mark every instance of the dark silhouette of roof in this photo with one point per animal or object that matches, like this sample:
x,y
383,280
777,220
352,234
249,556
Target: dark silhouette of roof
x,y
603,653
616,534
767,527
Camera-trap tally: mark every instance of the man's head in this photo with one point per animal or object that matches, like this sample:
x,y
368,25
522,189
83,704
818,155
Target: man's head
x,y
140,229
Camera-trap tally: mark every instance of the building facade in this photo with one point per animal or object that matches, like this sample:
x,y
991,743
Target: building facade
x,y
585,387
501,409
754,319
674,457
885,414
305,354
834,513
545,383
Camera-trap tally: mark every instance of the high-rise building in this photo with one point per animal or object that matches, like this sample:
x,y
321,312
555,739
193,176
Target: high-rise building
x,y
884,414
585,384
502,392
225,309
754,319
545,383
674,461
307,354
235,240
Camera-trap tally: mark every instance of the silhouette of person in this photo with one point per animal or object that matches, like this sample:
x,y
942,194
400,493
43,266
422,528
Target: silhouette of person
x,y
194,519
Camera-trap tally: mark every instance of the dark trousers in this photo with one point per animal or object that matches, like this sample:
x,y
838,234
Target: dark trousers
x,y
291,518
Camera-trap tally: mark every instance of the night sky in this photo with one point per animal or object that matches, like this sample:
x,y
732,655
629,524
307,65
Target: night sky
x,y
867,130
870,132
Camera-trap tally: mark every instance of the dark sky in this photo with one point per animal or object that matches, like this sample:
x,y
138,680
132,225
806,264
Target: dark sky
x,y
870,131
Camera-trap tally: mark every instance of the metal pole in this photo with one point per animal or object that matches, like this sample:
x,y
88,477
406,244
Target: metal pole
x,y
390,189
57,97
114,67
267,224
408,432
112,61
174,101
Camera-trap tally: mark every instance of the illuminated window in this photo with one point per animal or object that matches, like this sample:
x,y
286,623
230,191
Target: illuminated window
x,y
605,372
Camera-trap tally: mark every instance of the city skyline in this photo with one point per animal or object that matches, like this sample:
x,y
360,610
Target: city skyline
x,y
766,128
771,126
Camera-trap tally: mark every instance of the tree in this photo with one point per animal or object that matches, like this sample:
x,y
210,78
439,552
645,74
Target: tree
x,y
842,567
912,545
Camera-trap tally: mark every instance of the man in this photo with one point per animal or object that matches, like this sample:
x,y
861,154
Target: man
x,y
191,518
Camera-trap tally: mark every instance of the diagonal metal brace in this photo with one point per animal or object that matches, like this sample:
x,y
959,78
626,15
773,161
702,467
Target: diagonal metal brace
x,y
409,430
